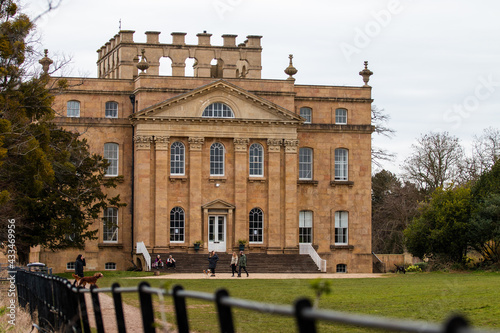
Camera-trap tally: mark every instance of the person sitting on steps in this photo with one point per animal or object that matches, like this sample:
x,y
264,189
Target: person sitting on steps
x,y
170,262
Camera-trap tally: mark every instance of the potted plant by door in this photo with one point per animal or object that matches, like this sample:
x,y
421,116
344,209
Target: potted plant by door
x,y
242,243
197,245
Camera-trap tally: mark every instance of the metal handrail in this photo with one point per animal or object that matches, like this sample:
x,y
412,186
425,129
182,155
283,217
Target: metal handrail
x,y
142,249
306,248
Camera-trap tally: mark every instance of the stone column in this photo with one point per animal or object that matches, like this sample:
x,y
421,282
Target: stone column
x,y
142,190
194,218
291,216
240,191
162,172
274,220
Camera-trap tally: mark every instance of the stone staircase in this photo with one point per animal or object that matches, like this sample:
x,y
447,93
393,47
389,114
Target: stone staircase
x,y
256,263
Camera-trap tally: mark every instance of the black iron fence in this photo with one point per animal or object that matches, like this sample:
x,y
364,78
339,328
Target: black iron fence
x,y
61,307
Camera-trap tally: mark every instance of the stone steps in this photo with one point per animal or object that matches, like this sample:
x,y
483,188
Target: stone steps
x,y
256,263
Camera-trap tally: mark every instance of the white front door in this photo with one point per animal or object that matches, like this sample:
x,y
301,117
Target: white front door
x,y
217,233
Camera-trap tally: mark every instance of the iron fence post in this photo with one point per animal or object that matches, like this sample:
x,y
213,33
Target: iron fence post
x,y
224,312
148,318
455,324
83,311
305,325
180,310
97,309
117,299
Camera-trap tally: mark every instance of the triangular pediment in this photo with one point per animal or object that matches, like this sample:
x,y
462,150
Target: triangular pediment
x,y
245,105
218,204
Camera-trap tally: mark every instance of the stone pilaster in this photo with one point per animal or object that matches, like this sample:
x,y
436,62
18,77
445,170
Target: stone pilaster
x,y
195,219
162,171
274,223
291,215
142,190
240,189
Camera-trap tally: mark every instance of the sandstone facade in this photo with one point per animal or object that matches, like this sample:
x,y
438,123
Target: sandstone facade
x,y
223,155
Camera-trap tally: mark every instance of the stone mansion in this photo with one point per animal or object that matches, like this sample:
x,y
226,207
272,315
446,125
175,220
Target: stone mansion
x,y
221,155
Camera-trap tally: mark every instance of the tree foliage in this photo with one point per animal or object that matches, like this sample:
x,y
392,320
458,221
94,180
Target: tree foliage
x,y
442,226
49,182
435,161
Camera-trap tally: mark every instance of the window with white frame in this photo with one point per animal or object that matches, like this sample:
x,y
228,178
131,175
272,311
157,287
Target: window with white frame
x,y
305,226
111,110
341,228
110,225
341,268
110,266
341,116
305,163
341,164
73,109
177,224
217,153
256,225
256,167
218,110
111,151
306,113
177,158
70,266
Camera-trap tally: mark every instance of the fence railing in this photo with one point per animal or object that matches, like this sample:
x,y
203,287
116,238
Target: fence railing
x,y
62,308
308,249
142,249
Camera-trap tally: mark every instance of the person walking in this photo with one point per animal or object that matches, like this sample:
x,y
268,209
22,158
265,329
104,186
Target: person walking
x,y
242,263
212,262
79,263
234,263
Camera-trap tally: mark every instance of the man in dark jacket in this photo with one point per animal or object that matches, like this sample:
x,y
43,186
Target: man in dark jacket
x,y
212,262
242,263
79,263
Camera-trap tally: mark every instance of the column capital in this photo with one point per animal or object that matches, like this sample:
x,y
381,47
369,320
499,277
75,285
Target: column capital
x,y
195,143
143,142
241,144
291,145
274,145
162,142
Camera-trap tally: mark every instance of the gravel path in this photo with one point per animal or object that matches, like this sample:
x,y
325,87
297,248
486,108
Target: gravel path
x,y
190,276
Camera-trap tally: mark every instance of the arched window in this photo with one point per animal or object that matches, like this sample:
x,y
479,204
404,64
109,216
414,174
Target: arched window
x,y
177,158
305,163
111,151
305,226
73,109
341,116
306,113
341,268
256,225
111,110
177,225
341,228
256,167
110,225
217,159
341,164
218,110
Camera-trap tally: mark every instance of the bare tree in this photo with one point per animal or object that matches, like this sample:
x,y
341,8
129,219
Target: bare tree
x,y
485,152
379,121
436,161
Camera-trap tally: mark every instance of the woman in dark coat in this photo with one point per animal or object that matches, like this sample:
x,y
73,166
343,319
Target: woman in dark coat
x,y
212,262
79,263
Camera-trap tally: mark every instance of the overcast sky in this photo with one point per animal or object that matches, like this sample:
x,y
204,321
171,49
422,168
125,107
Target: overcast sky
x,y
436,64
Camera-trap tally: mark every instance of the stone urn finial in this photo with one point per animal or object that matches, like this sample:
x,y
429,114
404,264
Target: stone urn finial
x,y
290,70
45,62
143,64
366,73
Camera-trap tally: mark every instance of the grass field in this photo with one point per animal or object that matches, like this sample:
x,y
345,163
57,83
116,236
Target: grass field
x,y
423,296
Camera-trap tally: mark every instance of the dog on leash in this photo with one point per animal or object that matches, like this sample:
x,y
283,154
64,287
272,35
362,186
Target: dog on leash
x,y
91,280
400,269
206,272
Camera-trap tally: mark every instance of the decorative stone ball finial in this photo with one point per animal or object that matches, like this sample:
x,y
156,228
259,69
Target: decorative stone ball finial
x,y
290,70
366,73
143,64
45,62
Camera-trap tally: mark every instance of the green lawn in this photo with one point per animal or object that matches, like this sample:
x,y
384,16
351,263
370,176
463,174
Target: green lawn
x,y
424,296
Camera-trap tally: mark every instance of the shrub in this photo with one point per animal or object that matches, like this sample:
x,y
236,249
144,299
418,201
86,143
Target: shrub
x,y
413,268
